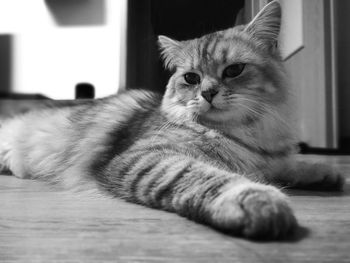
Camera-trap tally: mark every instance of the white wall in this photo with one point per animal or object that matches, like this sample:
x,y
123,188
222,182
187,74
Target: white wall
x,y
51,56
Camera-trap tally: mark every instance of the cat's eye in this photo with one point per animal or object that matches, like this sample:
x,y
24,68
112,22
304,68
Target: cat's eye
x,y
192,78
233,70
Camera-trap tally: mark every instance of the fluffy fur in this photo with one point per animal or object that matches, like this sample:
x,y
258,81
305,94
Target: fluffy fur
x,y
211,160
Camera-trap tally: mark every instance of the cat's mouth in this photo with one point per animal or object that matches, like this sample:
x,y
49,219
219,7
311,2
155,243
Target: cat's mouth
x,y
214,112
208,109
215,109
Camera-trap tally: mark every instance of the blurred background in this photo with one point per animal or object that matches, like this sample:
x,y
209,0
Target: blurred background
x,y
83,49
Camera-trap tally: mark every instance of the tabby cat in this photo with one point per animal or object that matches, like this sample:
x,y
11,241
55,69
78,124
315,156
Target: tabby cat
x,y
209,149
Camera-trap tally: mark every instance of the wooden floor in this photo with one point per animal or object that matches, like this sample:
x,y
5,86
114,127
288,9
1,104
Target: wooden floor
x,y
38,224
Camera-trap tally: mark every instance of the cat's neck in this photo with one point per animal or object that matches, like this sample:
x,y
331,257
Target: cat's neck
x,y
267,137
272,133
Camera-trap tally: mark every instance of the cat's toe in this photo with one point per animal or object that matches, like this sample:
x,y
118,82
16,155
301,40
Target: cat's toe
x,y
255,211
268,215
4,170
332,181
323,177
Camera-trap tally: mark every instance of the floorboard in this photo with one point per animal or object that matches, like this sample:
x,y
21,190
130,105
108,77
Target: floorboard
x,y
38,224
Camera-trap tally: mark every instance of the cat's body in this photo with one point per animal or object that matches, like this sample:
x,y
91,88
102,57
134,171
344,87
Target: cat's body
x,y
83,138
206,150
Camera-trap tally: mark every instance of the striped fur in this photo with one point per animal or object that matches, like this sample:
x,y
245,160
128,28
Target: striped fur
x,y
210,162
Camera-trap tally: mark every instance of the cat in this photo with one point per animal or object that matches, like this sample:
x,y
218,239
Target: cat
x,y
216,148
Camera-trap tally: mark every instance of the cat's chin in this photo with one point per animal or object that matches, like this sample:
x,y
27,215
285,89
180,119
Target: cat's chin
x,y
215,116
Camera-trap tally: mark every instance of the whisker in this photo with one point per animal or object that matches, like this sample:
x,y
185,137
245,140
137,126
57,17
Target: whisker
x,y
258,107
256,113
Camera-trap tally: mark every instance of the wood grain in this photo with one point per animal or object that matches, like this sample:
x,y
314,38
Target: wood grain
x,y
39,224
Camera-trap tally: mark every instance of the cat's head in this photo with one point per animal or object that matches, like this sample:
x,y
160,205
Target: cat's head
x,y
230,76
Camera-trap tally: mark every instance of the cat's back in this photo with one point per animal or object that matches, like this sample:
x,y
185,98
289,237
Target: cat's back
x,y
49,140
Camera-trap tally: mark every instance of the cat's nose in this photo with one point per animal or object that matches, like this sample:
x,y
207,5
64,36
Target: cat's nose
x,y
209,94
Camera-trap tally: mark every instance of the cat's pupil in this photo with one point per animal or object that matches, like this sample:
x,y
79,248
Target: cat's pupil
x,y
233,70
192,78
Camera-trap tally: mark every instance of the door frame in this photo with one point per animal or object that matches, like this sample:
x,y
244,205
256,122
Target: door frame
x,y
318,119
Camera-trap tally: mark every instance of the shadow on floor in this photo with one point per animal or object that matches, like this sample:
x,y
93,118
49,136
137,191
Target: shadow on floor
x,y
319,192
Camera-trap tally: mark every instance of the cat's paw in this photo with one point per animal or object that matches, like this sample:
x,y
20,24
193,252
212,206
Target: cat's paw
x,y
320,177
254,211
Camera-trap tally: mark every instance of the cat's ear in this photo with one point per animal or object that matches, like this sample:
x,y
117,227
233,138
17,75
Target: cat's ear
x,y
171,51
266,25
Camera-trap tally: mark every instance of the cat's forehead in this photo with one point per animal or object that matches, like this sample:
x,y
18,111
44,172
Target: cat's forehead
x,y
222,47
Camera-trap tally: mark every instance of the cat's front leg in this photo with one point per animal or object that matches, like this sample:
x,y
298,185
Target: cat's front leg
x,y
252,210
226,201
307,175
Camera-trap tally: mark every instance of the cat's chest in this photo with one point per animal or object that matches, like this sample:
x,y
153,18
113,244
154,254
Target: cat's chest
x,y
226,151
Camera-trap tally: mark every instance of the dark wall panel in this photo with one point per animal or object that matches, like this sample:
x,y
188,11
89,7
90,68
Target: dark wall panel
x,y
6,42
180,19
